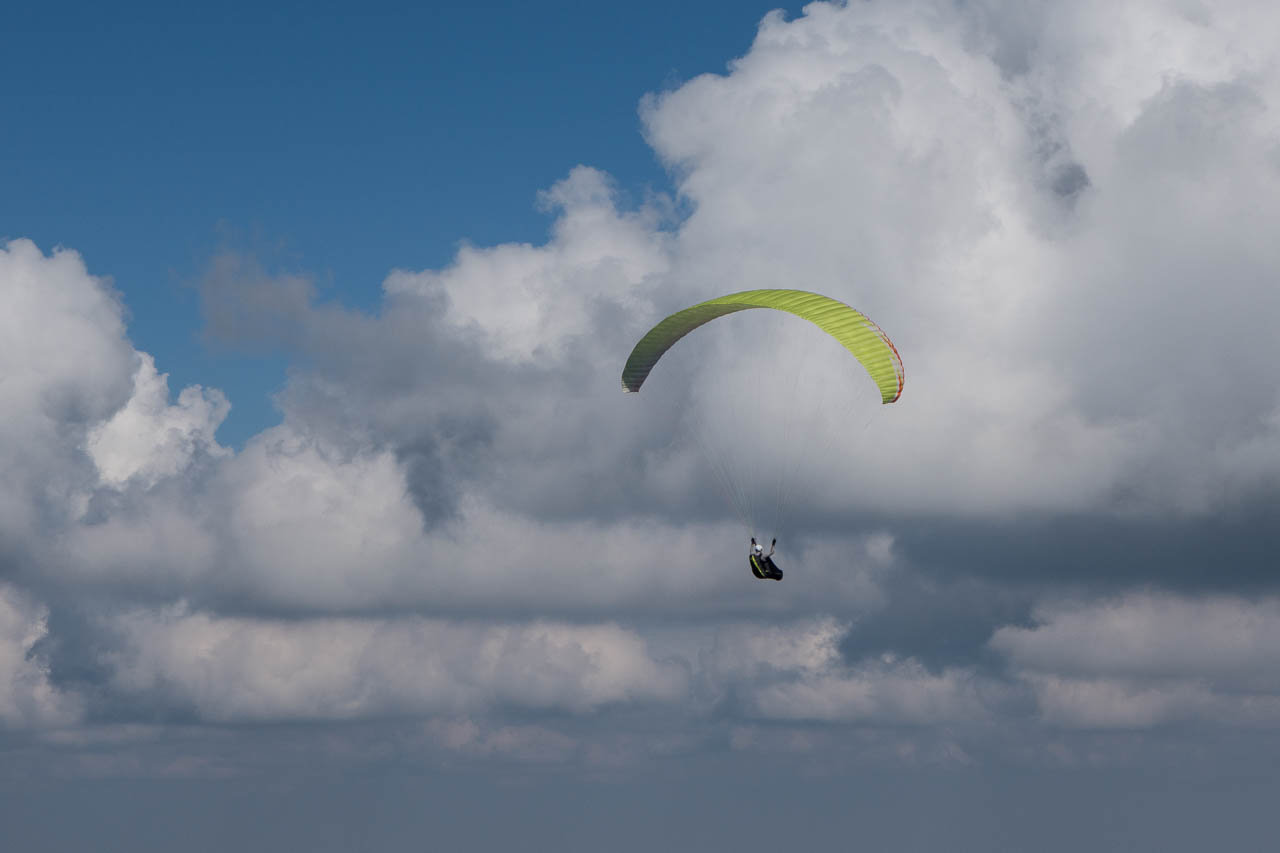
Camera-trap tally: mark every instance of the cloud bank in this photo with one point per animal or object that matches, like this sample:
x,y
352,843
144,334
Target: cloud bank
x,y
1063,223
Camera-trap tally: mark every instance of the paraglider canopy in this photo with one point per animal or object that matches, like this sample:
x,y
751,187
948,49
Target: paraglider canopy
x,y
851,328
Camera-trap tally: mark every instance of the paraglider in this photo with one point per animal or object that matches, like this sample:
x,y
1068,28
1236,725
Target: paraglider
x,y
863,339
762,564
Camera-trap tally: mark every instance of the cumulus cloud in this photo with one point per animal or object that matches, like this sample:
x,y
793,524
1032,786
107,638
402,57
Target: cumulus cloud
x,y
797,672
28,699
527,301
1007,317
1150,658
888,691
1063,224
1228,639
65,358
65,365
149,439
88,430
237,669
901,157
226,669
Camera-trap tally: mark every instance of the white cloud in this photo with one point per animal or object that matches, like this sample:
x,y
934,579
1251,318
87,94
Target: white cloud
x,y
1105,703
239,669
740,652
1100,349
796,672
1149,659
1063,223
83,410
309,525
28,699
64,364
63,353
885,692
1224,639
877,152
231,669
149,439
526,300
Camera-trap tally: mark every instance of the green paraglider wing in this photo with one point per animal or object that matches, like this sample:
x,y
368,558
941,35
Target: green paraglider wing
x,y
851,328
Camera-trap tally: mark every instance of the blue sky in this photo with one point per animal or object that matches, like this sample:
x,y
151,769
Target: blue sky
x,y
434,566
338,140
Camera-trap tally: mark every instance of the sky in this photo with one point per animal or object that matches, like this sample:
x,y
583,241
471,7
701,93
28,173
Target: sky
x,y
324,521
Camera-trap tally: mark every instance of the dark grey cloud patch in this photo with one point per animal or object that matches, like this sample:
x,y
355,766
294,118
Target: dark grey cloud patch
x,y
1069,180
942,617
246,306
1233,550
